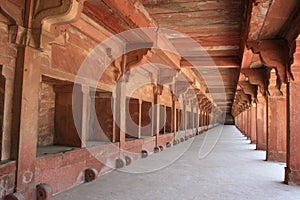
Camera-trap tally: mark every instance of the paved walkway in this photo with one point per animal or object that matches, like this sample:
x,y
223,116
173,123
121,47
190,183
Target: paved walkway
x,y
220,164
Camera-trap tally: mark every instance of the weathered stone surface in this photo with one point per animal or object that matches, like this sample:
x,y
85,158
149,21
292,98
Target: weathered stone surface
x,y
292,172
46,115
277,122
261,131
7,178
58,38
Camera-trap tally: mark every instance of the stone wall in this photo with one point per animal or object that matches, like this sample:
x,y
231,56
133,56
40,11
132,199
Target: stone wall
x,y
46,115
8,61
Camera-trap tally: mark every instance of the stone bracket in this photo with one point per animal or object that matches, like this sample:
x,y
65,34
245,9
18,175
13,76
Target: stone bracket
x,y
15,13
258,76
275,53
134,57
249,89
49,13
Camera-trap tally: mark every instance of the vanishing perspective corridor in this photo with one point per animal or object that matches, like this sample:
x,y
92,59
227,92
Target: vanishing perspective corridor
x,y
149,99
232,170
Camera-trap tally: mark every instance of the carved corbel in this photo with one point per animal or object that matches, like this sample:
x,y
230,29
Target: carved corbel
x,y
131,59
242,99
18,35
11,15
259,77
249,89
54,12
276,54
12,12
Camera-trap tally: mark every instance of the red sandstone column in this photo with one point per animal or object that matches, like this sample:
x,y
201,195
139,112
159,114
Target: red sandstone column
x,y
206,121
261,128
277,119
201,118
174,117
140,118
156,114
239,121
292,171
85,111
120,105
253,123
248,123
192,114
26,110
197,116
184,127
244,123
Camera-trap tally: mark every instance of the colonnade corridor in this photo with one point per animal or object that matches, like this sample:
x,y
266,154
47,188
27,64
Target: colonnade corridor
x,y
218,164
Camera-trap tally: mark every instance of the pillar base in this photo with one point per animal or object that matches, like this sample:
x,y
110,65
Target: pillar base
x,y
262,147
276,156
292,177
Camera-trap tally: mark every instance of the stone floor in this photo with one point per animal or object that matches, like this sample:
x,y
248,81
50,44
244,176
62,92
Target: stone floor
x,y
220,164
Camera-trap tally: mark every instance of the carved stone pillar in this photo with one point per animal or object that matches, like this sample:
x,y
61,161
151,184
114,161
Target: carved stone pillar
x,y
253,123
240,121
248,121
277,115
244,125
191,122
140,118
184,113
85,114
157,91
26,112
261,128
174,115
206,120
292,171
120,111
197,115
